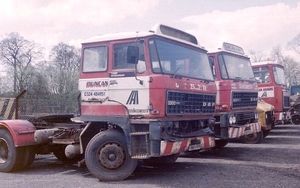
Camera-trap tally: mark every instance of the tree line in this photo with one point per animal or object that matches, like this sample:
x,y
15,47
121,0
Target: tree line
x,y
291,66
51,86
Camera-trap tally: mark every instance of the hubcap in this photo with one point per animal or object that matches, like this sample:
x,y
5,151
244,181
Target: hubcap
x,y
3,151
251,137
111,156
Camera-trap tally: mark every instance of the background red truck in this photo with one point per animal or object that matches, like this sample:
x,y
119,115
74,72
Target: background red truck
x,y
237,96
273,88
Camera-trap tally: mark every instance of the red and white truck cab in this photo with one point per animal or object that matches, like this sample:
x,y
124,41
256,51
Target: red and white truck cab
x,y
153,88
237,95
273,88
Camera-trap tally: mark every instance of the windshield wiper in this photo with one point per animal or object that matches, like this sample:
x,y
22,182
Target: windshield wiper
x,y
237,79
174,74
252,79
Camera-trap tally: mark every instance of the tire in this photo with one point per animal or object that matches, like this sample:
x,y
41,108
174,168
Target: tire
x,y
295,119
254,138
266,133
221,143
165,160
11,157
107,157
59,153
28,158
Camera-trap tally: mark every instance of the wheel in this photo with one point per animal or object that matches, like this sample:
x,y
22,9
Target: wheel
x,y
295,119
221,143
273,124
254,138
266,133
28,157
59,153
11,158
107,157
154,161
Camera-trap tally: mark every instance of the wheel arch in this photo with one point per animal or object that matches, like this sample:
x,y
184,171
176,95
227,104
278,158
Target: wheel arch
x,y
22,131
120,124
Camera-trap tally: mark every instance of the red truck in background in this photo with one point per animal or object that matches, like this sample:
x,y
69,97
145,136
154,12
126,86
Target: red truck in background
x,y
144,95
237,96
273,88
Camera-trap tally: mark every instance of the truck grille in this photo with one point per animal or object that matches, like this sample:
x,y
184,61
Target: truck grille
x,y
245,116
244,99
179,103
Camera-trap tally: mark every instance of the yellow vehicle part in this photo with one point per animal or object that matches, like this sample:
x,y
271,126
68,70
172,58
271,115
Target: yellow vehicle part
x,y
262,108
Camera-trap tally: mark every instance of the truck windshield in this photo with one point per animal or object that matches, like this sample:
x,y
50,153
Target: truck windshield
x,y
235,68
178,60
261,74
279,75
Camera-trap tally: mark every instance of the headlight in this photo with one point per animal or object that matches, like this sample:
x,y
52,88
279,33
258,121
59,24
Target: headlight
x,y
232,120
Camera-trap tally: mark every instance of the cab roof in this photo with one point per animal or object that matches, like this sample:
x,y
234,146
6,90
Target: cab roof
x,y
266,63
157,30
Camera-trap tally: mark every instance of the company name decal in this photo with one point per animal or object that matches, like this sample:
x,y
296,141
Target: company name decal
x,y
243,86
97,84
266,92
198,87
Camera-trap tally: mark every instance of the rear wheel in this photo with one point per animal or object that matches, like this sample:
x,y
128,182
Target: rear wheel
x,y
11,157
107,157
59,153
254,138
28,157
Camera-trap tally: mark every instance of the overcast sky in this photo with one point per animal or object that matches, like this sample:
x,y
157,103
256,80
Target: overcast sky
x,y
257,25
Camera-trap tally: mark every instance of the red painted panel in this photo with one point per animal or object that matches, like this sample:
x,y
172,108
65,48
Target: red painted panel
x,y
22,131
103,110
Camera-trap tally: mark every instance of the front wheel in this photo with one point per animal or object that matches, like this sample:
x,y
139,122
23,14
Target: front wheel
x,y
254,138
10,156
107,157
221,143
266,133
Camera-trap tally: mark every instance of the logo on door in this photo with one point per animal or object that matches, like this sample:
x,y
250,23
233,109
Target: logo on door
x,y
133,98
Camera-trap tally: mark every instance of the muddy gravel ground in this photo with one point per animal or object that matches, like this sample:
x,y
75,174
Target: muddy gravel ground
x,y
273,163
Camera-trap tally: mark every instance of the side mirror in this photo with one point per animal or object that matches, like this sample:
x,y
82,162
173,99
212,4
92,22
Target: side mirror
x,y
132,54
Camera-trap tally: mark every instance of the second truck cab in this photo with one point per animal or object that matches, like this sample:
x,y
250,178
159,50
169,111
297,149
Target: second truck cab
x,y
237,96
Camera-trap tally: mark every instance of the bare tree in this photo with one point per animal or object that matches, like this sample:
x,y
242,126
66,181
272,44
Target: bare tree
x,y
63,74
257,56
291,67
295,44
277,55
19,54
